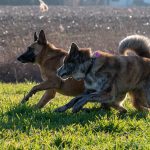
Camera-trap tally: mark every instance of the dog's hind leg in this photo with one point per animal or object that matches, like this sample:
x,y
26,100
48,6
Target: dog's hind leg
x,y
139,100
49,84
105,106
119,108
48,95
140,107
118,103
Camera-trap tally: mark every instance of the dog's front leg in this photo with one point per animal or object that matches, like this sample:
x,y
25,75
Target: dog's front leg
x,y
70,103
48,95
99,97
42,86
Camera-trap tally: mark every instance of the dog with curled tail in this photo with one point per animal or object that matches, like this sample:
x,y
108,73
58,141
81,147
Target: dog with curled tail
x,y
128,73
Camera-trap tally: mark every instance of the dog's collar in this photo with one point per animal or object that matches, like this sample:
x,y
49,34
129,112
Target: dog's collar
x,y
96,54
91,65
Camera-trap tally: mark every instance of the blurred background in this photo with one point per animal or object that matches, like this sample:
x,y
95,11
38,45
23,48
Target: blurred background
x,y
99,24
121,3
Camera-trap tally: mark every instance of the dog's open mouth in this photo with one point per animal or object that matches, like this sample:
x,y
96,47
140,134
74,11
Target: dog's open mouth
x,y
65,77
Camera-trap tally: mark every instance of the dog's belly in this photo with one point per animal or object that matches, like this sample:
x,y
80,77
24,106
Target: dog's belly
x,y
71,87
125,86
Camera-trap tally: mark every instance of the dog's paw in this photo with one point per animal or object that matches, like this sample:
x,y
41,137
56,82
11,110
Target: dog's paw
x,y
122,113
23,101
60,109
76,109
36,107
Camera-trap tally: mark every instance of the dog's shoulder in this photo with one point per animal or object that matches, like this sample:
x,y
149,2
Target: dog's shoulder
x,y
103,58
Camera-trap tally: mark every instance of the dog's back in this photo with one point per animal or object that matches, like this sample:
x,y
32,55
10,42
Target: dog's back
x,y
128,71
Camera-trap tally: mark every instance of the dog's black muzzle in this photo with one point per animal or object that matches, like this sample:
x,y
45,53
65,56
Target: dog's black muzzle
x,y
62,74
27,57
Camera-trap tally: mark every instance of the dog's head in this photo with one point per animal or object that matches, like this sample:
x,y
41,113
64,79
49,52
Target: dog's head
x,y
74,65
30,55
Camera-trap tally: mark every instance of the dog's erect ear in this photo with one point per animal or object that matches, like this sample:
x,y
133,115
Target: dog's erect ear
x,y
35,37
42,38
74,50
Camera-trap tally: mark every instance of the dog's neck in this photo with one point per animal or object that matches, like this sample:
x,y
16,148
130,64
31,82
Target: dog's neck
x,y
90,64
49,51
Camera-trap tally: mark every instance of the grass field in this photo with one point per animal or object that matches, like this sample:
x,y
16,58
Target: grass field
x,y
23,127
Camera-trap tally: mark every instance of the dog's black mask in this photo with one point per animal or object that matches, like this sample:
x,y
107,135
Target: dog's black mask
x,y
28,56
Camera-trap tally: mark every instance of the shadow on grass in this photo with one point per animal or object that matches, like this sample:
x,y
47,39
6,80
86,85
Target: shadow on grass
x,y
24,118
137,115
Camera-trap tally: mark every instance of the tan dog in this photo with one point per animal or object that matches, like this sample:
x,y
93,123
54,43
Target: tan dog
x,y
108,77
49,58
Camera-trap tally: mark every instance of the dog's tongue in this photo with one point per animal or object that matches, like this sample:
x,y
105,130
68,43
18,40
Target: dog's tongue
x,y
96,54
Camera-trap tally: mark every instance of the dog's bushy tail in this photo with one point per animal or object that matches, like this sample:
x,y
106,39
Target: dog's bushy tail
x,y
135,45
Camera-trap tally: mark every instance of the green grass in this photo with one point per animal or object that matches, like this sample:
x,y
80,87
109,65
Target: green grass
x,y
23,127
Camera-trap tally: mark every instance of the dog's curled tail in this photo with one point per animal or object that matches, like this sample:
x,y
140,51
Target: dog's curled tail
x,y
135,45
